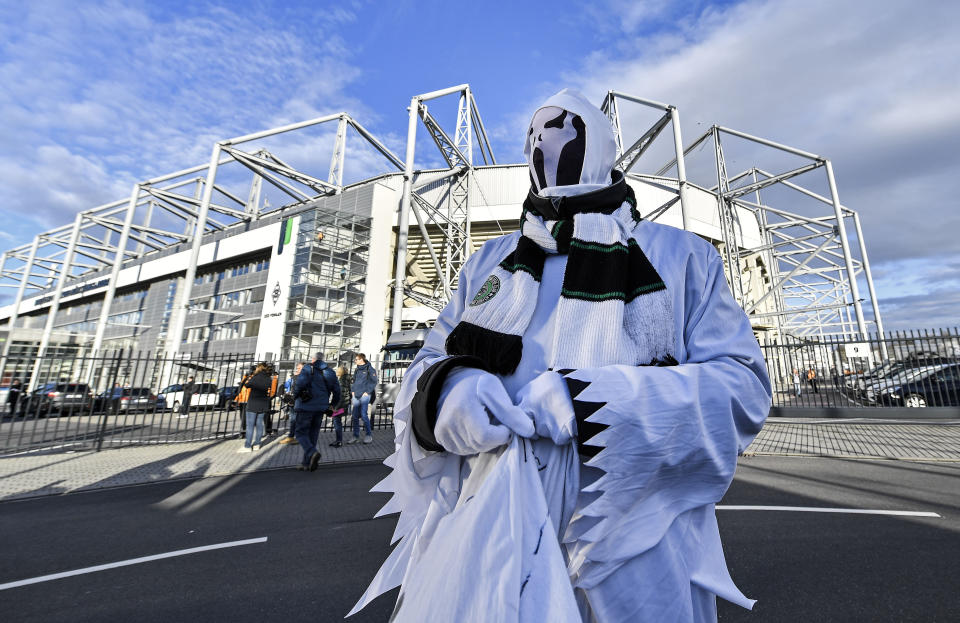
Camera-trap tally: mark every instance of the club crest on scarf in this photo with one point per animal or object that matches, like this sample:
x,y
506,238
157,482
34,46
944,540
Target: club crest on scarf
x,y
489,290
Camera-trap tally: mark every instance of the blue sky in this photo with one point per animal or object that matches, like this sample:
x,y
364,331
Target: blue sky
x,y
99,95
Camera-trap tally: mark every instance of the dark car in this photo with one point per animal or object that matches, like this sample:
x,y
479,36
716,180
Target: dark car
x,y
126,400
60,398
227,397
938,387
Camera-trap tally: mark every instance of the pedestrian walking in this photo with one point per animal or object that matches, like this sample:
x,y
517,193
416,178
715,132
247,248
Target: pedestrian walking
x,y
316,389
796,382
13,395
288,401
364,390
812,379
268,425
261,387
341,407
243,394
189,389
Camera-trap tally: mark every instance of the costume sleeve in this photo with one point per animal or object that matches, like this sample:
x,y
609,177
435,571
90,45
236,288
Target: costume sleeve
x,y
669,436
420,479
425,376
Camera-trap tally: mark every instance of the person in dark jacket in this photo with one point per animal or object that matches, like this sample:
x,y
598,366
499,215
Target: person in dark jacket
x,y
291,438
13,395
364,385
321,383
260,384
189,389
243,394
342,406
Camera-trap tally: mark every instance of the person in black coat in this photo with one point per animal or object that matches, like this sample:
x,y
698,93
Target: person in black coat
x,y
260,384
13,395
189,389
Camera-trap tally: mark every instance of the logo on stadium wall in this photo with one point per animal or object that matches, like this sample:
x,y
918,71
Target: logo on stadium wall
x,y
275,295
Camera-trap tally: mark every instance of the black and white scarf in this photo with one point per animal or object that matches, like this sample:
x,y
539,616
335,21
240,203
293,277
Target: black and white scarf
x,y
608,283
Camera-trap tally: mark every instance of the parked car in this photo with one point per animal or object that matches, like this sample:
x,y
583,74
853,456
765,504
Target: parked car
x,y
227,397
60,398
937,386
205,396
877,387
126,399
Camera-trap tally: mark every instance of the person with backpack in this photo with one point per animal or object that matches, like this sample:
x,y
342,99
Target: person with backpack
x,y
316,389
262,386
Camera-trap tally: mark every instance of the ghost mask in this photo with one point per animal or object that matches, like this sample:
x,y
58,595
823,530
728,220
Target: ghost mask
x,y
570,146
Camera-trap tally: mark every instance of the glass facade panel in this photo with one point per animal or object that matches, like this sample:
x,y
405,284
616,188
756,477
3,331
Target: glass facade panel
x,y
329,280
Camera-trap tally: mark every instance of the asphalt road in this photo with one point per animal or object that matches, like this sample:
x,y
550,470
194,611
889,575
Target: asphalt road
x,y
323,547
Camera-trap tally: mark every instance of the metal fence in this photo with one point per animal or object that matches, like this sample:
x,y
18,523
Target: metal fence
x,y
124,398
899,369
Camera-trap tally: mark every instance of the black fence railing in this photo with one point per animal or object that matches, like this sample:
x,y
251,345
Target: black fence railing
x,y
125,398
900,369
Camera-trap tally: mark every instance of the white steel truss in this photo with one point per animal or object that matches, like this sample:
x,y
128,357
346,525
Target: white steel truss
x,y
810,262
455,222
77,251
809,257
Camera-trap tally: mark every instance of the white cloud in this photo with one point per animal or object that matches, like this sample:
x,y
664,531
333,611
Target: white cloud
x,y
864,84
99,96
869,85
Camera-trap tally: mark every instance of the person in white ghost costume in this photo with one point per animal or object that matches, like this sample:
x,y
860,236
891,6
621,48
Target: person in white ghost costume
x,y
575,413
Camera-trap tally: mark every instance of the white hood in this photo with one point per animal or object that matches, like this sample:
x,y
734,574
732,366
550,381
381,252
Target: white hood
x,y
570,146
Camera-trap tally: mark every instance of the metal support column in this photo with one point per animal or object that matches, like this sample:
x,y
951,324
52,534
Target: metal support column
x,y
146,223
400,271
118,258
681,166
845,245
253,199
179,319
27,269
773,267
869,275
57,293
458,244
339,154
614,115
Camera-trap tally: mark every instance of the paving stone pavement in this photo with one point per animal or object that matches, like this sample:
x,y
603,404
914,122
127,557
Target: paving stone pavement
x,y
862,439
39,474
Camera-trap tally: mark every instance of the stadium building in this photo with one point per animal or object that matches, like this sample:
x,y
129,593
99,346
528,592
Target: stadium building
x,y
252,254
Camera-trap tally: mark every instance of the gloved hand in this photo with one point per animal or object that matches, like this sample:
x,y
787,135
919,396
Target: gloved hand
x,y
476,414
546,400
